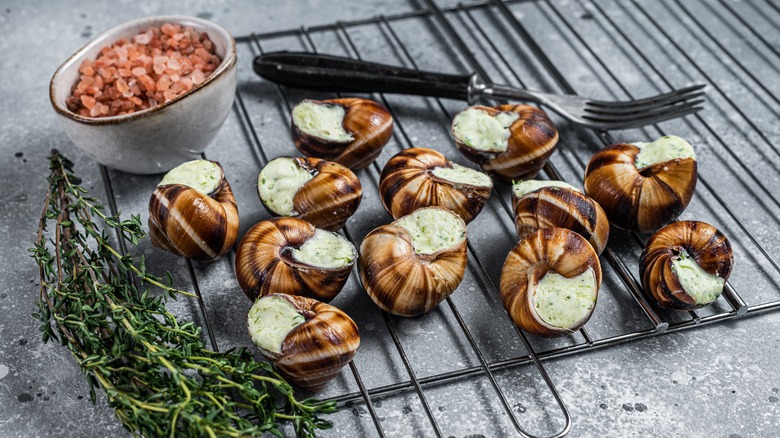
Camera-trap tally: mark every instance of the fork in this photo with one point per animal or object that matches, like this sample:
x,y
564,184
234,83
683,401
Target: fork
x,y
333,73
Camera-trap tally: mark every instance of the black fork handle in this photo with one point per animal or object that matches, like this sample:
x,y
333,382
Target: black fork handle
x,y
332,73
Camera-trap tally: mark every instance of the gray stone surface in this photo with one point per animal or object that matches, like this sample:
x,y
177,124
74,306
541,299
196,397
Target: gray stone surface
x,y
721,380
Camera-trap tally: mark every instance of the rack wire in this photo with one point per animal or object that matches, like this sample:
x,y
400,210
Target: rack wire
x,y
467,32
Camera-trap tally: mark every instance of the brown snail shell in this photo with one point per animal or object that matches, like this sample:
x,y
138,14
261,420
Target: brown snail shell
x,y
546,249
370,124
189,223
408,183
709,248
402,281
532,140
559,207
640,200
264,263
314,352
328,199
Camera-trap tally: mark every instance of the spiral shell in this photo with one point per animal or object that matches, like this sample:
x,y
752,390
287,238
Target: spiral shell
x,y
408,183
532,140
709,248
314,352
328,199
558,207
193,224
547,249
640,200
370,124
264,263
402,281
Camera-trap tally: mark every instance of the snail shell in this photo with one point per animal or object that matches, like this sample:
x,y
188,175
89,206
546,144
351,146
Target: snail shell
x,y
412,179
327,200
323,340
565,254
367,127
531,139
196,216
266,261
560,207
408,280
702,242
642,199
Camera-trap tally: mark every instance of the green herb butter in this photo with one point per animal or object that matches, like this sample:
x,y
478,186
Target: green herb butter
x,y
278,183
463,175
325,249
321,120
270,320
702,286
433,229
521,188
667,148
565,302
479,130
201,175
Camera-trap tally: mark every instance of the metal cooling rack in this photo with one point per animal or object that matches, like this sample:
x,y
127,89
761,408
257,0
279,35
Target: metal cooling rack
x,y
476,36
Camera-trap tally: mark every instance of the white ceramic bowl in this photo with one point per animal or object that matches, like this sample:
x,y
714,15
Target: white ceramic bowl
x,y
159,138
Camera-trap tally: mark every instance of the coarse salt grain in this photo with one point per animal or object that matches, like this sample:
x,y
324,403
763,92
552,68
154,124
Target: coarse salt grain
x,y
155,66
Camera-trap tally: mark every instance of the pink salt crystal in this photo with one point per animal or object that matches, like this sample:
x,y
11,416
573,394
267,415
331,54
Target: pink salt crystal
x,y
143,38
163,83
124,72
197,76
174,64
122,86
88,101
169,95
169,29
186,84
138,71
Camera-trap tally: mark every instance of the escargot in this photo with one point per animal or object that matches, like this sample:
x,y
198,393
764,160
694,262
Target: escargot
x,y
308,341
315,190
421,177
550,282
289,255
556,204
511,141
685,265
349,131
409,266
193,213
643,186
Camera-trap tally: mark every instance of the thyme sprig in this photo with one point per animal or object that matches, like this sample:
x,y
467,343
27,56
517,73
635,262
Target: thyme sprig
x,y
154,368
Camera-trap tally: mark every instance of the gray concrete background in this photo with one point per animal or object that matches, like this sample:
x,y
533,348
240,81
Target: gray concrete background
x,y
719,380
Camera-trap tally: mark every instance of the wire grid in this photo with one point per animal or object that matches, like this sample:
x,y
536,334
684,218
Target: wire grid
x,y
449,24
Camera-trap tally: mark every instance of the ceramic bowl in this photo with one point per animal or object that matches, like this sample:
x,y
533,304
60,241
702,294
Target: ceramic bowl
x,y
156,139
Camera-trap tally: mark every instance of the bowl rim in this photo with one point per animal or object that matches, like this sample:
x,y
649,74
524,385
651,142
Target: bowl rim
x,y
226,65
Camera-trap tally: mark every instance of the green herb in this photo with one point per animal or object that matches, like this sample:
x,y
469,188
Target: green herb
x,y
154,368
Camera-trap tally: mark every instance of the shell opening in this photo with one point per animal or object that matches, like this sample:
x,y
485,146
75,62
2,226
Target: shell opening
x,y
702,286
433,229
462,175
521,188
482,131
667,148
565,302
278,183
325,249
270,320
322,120
201,175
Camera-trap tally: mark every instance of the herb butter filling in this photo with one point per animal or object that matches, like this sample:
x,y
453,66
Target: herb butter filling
x,y
702,286
479,130
325,249
433,229
667,148
565,302
462,175
270,320
278,183
321,120
521,188
201,175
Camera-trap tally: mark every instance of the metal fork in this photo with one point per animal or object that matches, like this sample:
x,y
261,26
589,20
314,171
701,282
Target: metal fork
x,y
333,73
